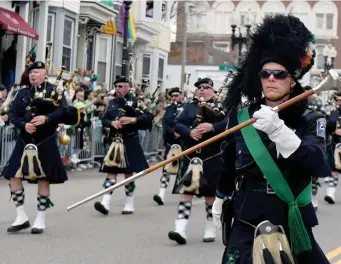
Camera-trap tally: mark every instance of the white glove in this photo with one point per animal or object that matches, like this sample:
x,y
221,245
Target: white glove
x,y
268,121
216,211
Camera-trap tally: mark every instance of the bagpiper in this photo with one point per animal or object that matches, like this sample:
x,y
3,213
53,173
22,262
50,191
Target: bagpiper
x,y
198,172
171,141
268,166
125,156
36,111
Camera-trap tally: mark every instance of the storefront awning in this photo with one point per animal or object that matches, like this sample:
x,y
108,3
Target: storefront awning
x,y
11,21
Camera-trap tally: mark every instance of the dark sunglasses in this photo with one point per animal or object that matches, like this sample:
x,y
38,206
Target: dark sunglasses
x,y
119,86
205,87
278,74
338,100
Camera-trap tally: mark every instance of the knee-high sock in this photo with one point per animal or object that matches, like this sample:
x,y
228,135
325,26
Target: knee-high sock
x,y
333,181
43,202
315,185
108,183
18,198
164,180
130,188
184,209
209,215
107,197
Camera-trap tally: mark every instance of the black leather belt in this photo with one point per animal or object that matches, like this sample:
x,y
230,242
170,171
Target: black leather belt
x,y
256,186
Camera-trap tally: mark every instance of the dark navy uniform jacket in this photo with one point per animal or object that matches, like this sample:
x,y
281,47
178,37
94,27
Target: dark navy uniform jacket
x,y
127,106
168,123
19,113
45,136
252,203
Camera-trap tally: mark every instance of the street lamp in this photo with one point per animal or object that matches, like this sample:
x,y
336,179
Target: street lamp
x,y
125,54
240,40
329,53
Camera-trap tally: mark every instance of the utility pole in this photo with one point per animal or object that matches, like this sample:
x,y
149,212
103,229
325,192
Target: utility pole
x,y
184,47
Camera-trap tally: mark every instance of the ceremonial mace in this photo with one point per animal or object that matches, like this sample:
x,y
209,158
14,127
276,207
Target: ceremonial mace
x,y
331,82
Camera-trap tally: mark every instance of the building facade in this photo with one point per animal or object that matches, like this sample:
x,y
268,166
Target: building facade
x,y
209,32
150,49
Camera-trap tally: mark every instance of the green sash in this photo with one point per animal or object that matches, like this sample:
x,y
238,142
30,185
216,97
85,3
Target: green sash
x,y
300,240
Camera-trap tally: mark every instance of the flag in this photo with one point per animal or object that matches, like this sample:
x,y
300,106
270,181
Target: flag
x,y
110,27
131,24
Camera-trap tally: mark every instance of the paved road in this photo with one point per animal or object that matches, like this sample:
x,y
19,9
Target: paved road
x,y
82,236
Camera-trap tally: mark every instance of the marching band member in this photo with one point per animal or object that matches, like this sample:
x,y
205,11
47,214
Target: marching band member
x,y
198,171
333,149
171,141
125,154
36,111
268,165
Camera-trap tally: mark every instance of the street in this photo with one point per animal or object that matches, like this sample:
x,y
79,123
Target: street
x,y
83,236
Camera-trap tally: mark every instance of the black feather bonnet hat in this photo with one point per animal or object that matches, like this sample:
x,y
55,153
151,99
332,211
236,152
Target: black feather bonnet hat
x,y
283,39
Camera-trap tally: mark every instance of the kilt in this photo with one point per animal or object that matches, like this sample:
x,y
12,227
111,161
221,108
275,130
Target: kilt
x,y
211,169
49,156
239,250
136,160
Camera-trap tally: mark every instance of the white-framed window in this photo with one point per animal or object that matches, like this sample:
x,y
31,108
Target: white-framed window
x,y
247,18
222,45
161,69
50,32
222,22
150,8
118,58
102,60
146,63
34,23
324,21
68,43
319,63
164,11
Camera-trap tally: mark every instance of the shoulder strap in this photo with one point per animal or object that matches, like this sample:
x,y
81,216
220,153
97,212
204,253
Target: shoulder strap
x,y
299,237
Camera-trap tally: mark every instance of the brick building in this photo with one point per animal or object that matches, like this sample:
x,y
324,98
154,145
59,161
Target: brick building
x,y
209,29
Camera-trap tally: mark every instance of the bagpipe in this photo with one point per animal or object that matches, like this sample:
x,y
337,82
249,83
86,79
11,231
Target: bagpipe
x,y
43,104
116,155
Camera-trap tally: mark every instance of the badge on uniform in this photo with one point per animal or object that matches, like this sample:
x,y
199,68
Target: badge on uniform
x,y
130,103
321,127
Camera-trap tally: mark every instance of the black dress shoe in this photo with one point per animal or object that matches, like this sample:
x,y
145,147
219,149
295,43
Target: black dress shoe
x,y
127,212
17,228
100,208
158,199
172,235
36,231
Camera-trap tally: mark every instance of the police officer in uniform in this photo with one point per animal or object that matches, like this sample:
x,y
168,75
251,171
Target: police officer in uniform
x,y
170,138
333,141
123,119
36,111
268,165
198,171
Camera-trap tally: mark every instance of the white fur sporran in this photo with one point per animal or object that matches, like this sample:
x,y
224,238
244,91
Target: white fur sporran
x,y
173,167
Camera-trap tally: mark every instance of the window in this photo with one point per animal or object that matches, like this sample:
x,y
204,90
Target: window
x,y
161,68
329,21
150,8
146,66
247,18
319,57
324,21
222,23
102,60
210,59
164,11
118,58
50,35
222,45
67,43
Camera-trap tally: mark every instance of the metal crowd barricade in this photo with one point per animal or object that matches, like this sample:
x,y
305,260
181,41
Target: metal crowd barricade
x,y
7,144
153,147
